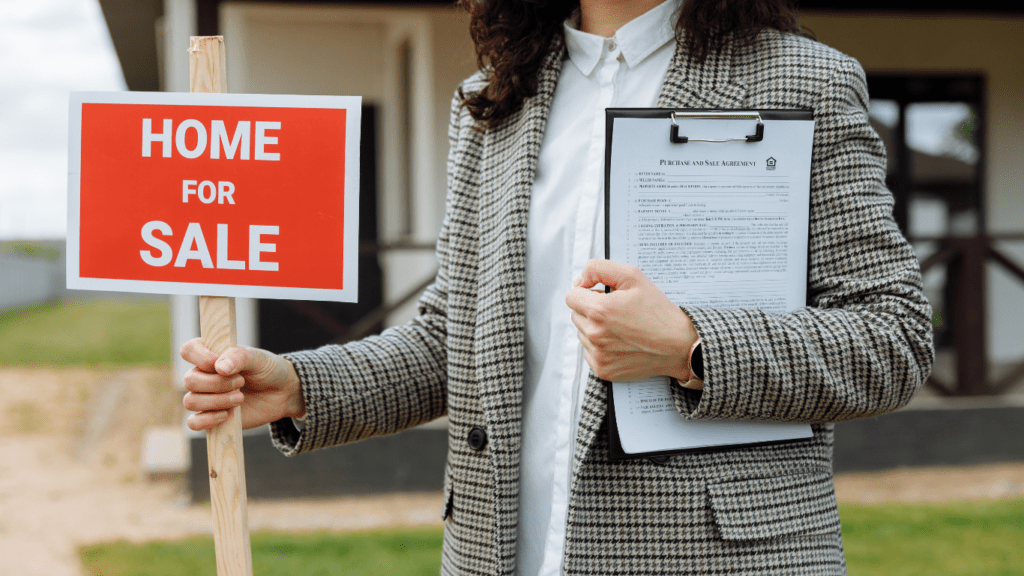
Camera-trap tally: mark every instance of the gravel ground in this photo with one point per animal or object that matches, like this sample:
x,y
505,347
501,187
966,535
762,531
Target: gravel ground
x,y
70,441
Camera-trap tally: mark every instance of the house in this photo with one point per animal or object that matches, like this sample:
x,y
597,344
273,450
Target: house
x,y
962,206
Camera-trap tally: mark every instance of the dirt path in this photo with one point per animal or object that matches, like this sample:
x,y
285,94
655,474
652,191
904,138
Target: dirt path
x,y
51,504
56,496
70,473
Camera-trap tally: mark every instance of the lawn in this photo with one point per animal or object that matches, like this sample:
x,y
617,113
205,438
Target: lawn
x,y
978,537
88,333
393,553
969,538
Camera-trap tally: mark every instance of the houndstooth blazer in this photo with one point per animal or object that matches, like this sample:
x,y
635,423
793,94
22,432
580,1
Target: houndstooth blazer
x,y
861,347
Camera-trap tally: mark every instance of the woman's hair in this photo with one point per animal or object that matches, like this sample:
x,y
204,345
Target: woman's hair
x,y
512,38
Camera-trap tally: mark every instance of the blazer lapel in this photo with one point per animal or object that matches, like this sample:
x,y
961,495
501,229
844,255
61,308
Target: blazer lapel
x,y
686,85
509,164
705,85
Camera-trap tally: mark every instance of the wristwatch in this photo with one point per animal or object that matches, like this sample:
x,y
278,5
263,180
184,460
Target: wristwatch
x,y
695,363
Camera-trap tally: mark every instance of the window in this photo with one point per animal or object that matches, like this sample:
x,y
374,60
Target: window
x,y
932,128
933,132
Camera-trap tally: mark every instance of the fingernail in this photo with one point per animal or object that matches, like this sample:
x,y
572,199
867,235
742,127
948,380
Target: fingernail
x,y
225,366
237,397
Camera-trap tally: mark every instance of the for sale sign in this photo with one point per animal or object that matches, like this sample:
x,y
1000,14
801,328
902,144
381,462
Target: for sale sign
x,y
214,194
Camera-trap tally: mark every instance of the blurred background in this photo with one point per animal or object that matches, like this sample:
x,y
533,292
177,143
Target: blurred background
x,y
91,426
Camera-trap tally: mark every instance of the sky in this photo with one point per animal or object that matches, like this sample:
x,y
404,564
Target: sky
x,y
50,48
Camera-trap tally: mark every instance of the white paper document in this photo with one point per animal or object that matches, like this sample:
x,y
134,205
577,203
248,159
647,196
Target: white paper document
x,y
715,225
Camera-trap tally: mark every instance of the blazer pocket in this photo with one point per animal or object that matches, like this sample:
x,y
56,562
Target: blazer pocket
x,y
767,508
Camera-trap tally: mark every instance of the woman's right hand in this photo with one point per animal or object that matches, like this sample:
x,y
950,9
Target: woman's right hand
x,y
263,383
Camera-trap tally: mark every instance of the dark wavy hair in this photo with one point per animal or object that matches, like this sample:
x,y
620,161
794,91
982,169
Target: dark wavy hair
x,y
513,36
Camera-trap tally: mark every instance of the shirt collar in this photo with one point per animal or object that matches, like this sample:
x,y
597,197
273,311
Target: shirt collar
x,y
637,39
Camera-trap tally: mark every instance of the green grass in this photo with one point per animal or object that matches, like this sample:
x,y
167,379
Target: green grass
x,y
89,333
390,553
976,538
31,250
969,538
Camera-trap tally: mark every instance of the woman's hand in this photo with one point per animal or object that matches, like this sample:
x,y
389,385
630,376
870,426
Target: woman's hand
x,y
635,331
264,384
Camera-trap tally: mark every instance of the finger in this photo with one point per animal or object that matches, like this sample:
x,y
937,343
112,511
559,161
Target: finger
x,y
582,300
611,274
581,322
590,361
207,420
588,346
205,383
206,402
195,353
600,370
592,335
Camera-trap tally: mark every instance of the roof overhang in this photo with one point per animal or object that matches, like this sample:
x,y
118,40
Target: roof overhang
x,y
133,23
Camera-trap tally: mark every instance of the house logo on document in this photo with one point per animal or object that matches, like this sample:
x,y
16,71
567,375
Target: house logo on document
x,y
769,164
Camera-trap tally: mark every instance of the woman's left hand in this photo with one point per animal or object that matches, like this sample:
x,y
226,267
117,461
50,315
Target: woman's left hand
x,y
633,332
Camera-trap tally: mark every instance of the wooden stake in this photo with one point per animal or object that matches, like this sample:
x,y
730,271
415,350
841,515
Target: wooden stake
x,y
207,65
207,73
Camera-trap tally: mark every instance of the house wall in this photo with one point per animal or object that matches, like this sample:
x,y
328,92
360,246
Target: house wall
x,y
345,50
27,282
353,50
959,43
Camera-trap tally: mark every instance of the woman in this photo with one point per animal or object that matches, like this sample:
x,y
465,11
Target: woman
x,y
503,332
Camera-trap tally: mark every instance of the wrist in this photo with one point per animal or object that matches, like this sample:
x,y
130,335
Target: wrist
x,y
689,369
685,347
695,360
296,403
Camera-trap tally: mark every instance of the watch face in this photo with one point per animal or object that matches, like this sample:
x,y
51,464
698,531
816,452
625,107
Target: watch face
x,y
697,361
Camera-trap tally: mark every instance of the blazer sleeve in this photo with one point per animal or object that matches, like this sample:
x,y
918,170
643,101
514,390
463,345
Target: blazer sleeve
x,y
381,384
863,344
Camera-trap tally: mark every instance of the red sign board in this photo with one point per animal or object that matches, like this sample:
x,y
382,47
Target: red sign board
x,y
214,194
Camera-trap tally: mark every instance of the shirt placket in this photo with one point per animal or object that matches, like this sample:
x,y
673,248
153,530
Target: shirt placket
x,y
575,372
586,219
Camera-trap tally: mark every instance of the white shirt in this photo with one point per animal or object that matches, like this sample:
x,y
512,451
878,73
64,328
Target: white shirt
x,y
565,229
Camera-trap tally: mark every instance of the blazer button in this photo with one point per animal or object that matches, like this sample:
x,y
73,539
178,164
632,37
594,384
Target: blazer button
x,y
477,438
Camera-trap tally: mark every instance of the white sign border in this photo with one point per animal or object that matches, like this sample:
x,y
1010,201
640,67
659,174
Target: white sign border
x,y
350,256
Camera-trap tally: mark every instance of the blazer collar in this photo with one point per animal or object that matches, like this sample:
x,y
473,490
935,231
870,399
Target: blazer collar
x,y
705,85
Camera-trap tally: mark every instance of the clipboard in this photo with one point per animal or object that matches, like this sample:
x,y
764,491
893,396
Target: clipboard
x,y
678,129
615,451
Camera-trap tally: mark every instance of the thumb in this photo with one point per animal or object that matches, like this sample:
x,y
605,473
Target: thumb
x,y
611,274
241,359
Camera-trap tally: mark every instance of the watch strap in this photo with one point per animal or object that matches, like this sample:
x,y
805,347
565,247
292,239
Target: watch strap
x,y
695,360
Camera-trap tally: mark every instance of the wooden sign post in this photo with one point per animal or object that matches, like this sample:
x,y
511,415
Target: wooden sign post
x,y
224,454
219,196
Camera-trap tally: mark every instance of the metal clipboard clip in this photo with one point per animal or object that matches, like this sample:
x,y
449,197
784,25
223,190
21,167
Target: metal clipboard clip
x,y
677,139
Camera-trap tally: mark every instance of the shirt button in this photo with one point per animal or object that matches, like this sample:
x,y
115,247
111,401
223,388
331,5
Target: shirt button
x,y
477,438
611,46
